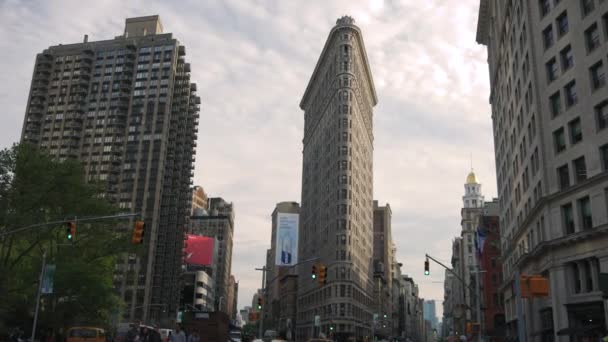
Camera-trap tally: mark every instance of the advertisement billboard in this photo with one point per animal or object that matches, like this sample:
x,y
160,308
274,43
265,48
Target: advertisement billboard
x,y
287,239
199,250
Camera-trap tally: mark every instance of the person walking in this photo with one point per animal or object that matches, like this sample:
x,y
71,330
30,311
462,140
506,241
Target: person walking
x,y
178,335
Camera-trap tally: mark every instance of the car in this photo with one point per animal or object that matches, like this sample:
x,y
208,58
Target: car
x,y
235,336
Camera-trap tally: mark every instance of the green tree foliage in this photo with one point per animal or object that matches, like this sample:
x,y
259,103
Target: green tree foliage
x,y
35,188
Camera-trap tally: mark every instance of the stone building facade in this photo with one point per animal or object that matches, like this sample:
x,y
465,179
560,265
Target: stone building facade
x,y
547,62
336,214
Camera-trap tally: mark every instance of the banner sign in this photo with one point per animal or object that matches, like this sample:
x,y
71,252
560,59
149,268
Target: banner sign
x,y
287,239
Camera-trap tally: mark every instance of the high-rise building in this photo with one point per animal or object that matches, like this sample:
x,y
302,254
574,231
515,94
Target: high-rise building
x,y
231,297
275,275
336,214
472,207
547,62
383,261
200,201
218,223
493,322
430,313
126,109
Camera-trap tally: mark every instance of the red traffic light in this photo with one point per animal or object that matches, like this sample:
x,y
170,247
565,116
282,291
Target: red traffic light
x,y
138,232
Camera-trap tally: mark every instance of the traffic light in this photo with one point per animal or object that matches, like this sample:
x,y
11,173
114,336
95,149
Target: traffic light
x,y
322,274
138,233
70,232
426,267
260,302
313,274
385,316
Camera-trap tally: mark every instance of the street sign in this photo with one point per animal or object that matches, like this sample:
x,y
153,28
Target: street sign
x,y
47,279
375,317
180,315
317,321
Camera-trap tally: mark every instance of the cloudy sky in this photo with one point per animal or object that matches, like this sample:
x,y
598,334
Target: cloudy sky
x,y
252,61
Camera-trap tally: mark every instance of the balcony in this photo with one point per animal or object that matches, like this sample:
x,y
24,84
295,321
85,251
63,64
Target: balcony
x,y
43,65
37,103
181,50
39,93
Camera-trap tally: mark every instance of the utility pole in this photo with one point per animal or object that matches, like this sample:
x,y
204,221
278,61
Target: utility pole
x,y
38,296
261,325
477,289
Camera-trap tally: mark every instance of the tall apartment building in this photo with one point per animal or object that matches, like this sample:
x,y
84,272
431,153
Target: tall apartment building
x,y
218,223
275,275
126,108
336,214
547,62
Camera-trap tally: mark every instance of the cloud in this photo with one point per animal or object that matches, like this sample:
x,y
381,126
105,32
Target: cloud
x,y
252,61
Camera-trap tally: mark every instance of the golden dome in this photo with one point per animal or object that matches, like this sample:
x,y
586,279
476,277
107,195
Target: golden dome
x,y
472,178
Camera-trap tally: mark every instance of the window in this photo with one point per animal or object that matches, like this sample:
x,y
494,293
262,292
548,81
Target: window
x,y
604,156
576,277
584,210
551,67
570,91
559,140
548,36
587,6
556,105
567,58
597,75
564,177
568,218
601,113
592,37
576,135
545,7
580,169
562,24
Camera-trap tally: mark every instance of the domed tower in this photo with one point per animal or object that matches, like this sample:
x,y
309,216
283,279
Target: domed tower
x,y
472,192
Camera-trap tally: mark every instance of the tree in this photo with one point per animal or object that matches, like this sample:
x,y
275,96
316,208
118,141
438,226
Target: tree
x,y
35,188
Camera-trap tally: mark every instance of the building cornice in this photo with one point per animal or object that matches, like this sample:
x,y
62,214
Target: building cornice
x,y
482,22
362,51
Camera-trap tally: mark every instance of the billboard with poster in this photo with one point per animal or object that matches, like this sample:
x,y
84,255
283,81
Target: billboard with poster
x,y
199,250
287,239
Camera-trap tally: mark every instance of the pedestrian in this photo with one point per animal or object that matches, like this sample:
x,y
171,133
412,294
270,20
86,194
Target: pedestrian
x,y
178,335
193,337
144,335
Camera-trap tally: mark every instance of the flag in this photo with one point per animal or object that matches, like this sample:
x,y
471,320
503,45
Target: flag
x,y
480,239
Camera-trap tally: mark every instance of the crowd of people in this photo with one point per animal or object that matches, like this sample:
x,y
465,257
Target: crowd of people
x,y
148,334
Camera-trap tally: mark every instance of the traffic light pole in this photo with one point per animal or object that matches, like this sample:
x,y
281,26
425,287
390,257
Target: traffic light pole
x,y
261,325
264,270
86,219
32,338
476,289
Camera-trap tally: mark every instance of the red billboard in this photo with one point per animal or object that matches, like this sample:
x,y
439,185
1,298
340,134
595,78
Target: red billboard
x,y
198,250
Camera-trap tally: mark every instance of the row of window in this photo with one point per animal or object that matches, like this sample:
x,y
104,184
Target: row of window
x,y
574,132
585,219
586,6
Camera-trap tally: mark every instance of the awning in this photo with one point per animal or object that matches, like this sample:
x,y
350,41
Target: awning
x,y
580,331
543,331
